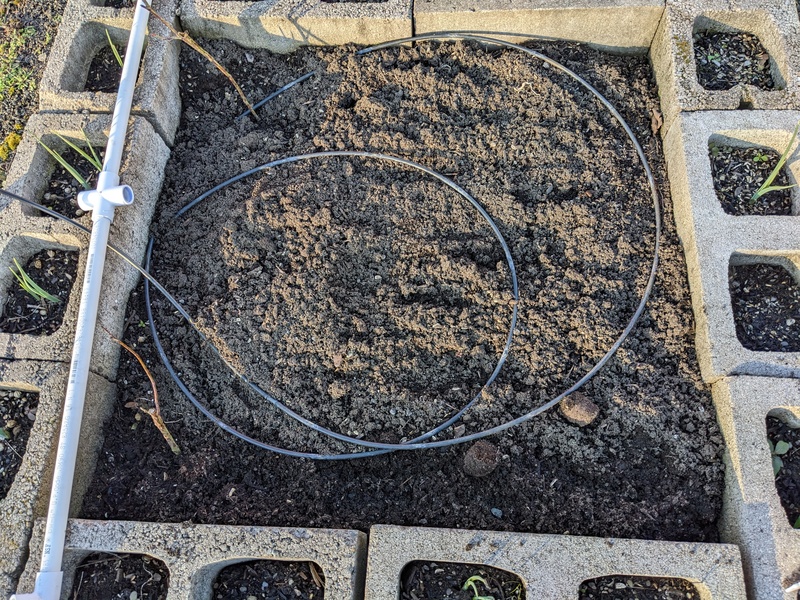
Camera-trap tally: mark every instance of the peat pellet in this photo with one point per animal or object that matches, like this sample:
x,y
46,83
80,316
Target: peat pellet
x,y
481,459
578,409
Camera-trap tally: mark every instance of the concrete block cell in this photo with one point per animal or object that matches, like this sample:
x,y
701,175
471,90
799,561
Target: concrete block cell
x,y
82,36
284,25
752,516
714,240
28,495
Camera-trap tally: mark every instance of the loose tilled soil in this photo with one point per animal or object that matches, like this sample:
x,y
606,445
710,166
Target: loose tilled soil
x,y
739,172
726,59
787,481
269,580
437,581
17,414
766,307
104,576
637,588
62,188
54,271
104,71
374,300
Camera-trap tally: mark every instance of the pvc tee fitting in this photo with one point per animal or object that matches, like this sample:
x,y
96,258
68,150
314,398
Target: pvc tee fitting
x,y
102,203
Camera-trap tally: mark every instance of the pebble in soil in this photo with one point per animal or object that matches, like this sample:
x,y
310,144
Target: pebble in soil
x,y
62,190
766,307
726,59
269,580
437,580
620,587
739,172
787,479
55,272
104,71
17,415
103,576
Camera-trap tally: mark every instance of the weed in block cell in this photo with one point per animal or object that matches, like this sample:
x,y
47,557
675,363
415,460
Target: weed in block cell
x,y
458,581
17,414
726,59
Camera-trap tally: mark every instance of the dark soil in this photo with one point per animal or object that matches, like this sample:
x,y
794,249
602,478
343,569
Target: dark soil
x,y
766,307
104,71
104,576
726,59
622,587
54,271
119,3
17,414
377,317
62,189
269,580
739,172
436,581
787,481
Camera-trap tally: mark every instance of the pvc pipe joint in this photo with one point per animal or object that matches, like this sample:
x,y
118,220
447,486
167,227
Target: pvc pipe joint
x,y
103,202
48,585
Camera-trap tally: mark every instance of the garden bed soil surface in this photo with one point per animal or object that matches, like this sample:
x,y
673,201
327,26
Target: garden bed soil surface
x,y
374,300
727,59
104,576
269,580
787,481
17,414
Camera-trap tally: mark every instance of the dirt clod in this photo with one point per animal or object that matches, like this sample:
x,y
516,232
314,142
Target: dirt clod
x,y
481,459
578,409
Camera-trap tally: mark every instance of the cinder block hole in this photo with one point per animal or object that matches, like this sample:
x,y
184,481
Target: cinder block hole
x,y
354,1
765,297
272,579
17,414
113,3
62,188
627,587
738,171
458,581
783,435
106,575
25,309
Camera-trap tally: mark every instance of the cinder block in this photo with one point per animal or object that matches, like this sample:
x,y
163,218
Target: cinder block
x,y
712,239
285,25
22,232
774,22
752,515
551,566
82,34
195,554
613,25
27,499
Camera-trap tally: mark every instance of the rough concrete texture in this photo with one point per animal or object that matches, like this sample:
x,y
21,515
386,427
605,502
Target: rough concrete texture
x,y
612,25
195,554
713,239
27,499
82,34
774,22
285,25
551,566
22,233
753,517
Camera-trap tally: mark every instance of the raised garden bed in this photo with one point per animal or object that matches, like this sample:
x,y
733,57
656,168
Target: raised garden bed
x,y
17,414
102,576
726,59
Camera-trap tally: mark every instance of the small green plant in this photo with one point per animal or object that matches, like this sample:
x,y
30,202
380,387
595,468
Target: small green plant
x,y
760,156
767,186
777,451
92,158
114,49
471,583
30,286
14,76
4,434
797,523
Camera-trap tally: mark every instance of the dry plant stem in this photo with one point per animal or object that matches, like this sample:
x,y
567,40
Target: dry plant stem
x,y
187,39
155,413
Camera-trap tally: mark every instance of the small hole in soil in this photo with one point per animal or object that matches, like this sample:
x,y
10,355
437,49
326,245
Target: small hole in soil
x,y
436,580
102,576
726,59
738,172
104,71
17,414
270,579
62,190
55,272
625,587
785,448
766,307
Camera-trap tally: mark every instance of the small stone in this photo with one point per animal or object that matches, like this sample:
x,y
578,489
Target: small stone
x,y
619,586
481,459
497,513
252,598
249,57
578,409
790,321
79,212
134,595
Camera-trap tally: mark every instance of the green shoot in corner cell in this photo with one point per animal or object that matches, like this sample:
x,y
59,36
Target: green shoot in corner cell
x,y
778,450
471,583
767,186
30,286
114,49
92,158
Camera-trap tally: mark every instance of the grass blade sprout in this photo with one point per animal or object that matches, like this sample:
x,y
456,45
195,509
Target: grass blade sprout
x,y
66,164
114,49
767,186
30,286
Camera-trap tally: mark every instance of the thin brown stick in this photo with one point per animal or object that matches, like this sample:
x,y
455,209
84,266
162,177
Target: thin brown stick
x,y
187,39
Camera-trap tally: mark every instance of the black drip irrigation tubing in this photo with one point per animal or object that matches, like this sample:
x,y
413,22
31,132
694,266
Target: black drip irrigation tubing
x,y
424,440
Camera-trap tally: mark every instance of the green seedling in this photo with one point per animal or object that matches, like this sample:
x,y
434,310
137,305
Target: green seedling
x,y
767,186
760,157
114,49
92,158
471,583
777,451
797,523
30,286
4,434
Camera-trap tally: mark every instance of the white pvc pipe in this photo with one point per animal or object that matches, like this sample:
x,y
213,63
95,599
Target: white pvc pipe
x,y
101,202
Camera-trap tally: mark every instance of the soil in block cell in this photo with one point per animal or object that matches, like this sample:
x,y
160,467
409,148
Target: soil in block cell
x,y
270,580
725,59
738,173
17,414
114,3
61,192
103,576
105,70
784,444
625,587
458,581
765,298
36,305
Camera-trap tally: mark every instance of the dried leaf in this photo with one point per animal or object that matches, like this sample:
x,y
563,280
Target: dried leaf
x,y
656,120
